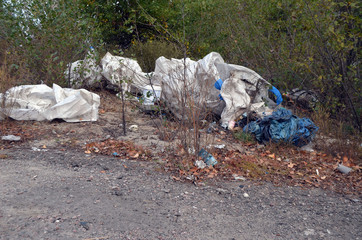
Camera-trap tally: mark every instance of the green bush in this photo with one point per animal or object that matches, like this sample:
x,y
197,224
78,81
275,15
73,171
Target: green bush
x,y
46,35
244,137
146,53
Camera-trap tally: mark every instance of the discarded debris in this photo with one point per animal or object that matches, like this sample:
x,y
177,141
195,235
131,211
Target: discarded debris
x,y
133,128
200,164
220,146
11,138
237,177
40,102
207,157
343,169
283,126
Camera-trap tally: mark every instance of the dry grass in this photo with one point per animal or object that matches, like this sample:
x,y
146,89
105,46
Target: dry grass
x,y
337,138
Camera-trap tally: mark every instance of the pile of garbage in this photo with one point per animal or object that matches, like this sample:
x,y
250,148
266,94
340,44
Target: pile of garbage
x,y
208,85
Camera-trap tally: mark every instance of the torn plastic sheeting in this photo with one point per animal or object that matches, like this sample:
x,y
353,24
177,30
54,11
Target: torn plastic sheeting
x,y
195,78
120,70
242,89
40,102
283,126
84,73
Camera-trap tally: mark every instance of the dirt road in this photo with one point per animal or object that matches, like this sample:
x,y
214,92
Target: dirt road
x,y
53,194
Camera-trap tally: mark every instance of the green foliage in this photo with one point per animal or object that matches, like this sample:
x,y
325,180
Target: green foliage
x,y
47,35
147,53
244,137
123,21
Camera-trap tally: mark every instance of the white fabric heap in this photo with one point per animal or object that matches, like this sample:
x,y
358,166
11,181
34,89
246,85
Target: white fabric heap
x,y
242,89
123,70
40,102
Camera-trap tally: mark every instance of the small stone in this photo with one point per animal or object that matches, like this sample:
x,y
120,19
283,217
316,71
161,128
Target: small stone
x,y
84,225
246,195
309,232
221,191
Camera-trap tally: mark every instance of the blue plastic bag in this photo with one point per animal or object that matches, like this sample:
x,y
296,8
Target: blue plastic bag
x,y
282,125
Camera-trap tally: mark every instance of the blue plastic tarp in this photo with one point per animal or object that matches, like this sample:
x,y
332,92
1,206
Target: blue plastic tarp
x,y
282,125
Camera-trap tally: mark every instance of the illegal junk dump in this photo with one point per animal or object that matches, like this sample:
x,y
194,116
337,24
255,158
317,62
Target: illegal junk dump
x,y
228,91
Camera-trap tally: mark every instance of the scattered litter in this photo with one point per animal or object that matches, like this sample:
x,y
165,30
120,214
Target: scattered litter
x,y
307,148
220,146
343,169
35,149
246,195
237,177
115,154
207,157
231,125
191,150
133,128
283,126
212,127
11,138
200,164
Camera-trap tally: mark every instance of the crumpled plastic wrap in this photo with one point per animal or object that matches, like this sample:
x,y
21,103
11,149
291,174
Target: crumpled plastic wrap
x,y
40,102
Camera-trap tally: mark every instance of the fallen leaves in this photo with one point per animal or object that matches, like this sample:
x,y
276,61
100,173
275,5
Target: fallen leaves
x,y
282,165
118,148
